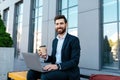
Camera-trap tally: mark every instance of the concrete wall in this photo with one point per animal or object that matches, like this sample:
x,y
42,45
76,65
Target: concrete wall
x,y
6,62
89,33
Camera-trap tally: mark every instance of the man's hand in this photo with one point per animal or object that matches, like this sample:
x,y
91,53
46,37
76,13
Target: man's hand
x,y
42,55
50,67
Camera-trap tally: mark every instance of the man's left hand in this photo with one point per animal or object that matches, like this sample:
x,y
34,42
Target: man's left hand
x,y
50,67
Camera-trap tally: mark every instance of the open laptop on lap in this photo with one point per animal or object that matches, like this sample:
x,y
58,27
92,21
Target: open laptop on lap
x,y
33,62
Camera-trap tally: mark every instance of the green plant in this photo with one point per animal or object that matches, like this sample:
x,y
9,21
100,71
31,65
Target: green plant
x,y
5,38
107,50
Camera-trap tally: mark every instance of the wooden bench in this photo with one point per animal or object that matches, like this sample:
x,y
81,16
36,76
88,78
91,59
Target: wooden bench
x,y
22,75
17,75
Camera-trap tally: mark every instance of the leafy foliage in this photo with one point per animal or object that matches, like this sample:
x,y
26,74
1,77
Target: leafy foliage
x,y
5,38
107,50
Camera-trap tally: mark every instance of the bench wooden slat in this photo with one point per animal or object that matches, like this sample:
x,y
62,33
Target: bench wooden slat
x,y
18,75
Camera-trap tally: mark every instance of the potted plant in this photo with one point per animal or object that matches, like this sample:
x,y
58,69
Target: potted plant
x,y
6,52
5,38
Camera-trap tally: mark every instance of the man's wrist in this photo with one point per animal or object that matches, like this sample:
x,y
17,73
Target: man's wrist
x,y
59,66
46,58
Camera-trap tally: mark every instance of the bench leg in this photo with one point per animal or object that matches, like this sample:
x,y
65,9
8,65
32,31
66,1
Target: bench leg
x,y
8,77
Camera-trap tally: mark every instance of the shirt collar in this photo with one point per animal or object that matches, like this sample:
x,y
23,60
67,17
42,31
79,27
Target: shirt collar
x,y
63,37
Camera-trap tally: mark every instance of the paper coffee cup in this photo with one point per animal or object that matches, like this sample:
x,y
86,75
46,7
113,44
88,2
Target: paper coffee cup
x,y
43,50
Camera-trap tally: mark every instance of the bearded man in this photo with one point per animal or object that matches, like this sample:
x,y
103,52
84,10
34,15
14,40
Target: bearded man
x,y
64,58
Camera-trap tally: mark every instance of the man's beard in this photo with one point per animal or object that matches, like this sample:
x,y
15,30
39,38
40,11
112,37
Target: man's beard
x,y
61,31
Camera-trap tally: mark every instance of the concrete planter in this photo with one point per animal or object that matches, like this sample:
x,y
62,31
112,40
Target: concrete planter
x,y
6,61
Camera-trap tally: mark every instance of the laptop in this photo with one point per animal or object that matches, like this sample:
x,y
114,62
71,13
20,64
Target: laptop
x,y
34,62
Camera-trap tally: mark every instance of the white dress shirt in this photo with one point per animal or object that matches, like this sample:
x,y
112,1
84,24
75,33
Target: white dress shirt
x,y
59,48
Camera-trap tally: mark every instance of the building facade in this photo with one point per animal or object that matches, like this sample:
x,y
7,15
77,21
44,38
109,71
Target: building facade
x,y
95,22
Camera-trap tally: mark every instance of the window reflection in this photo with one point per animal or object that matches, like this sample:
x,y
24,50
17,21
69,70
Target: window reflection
x,y
110,45
111,31
18,27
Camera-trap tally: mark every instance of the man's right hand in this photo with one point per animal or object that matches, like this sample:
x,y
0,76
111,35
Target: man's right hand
x,y
41,54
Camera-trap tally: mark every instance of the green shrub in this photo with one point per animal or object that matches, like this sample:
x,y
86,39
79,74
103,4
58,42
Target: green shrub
x,y
5,38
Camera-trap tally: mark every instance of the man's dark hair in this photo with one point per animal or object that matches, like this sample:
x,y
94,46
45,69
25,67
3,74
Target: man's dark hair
x,y
60,17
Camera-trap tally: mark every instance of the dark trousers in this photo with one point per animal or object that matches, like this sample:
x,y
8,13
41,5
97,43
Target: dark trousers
x,y
33,75
52,75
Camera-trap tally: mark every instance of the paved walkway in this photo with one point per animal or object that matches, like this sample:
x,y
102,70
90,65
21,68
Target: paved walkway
x,y
19,64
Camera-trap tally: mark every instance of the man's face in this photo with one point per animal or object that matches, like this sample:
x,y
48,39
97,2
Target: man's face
x,y
60,26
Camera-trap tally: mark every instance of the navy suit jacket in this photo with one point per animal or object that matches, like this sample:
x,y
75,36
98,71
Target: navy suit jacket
x,y
70,55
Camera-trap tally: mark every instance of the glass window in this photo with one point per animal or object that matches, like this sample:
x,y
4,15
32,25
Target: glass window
x,y
36,24
111,32
110,10
18,27
6,18
70,10
40,3
64,12
20,18
40,24
119,10
33,13
36,3
40,11
21,9
37,21
73,16
36,12
73,2
110,45
65,2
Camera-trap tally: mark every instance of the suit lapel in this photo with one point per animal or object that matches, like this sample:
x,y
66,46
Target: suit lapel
x,y
55,45
65,42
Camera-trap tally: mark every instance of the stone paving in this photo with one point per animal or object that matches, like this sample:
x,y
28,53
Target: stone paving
x,y
19,64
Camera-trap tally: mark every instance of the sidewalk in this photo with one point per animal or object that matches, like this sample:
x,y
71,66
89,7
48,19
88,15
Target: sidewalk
x,y
19,64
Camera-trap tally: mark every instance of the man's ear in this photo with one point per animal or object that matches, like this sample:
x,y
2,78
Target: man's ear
x,y
66,24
